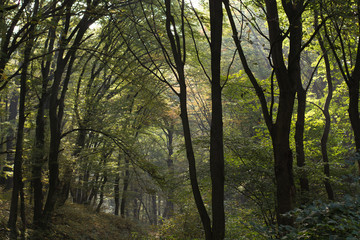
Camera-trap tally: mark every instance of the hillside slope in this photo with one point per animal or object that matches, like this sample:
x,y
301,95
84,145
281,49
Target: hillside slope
x,y
77,222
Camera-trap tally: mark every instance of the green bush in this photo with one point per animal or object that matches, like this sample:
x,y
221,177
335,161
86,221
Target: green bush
x,y
186,225
334,220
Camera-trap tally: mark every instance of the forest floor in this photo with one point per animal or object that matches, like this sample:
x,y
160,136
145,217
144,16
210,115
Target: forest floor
x,y
75,222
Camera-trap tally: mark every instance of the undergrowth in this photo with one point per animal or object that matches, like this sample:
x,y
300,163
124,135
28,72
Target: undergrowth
x,y
76,222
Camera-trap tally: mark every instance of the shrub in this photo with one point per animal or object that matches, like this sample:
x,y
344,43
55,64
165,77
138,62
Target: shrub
x,y
334,220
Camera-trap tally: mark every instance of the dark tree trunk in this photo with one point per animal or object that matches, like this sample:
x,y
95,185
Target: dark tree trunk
x,y
216,132
287,80
18,183
354,110
10,139
179,53
101,201
325,136
352,80
192,165
299,142
136,205
38,154
117,193
353,85
169,205
10,39
85,187
68,173
65,61
153,209
285,187
125,187
38,161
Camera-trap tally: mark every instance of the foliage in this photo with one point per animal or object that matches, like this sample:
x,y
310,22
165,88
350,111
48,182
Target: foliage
x,y
320,220
183,226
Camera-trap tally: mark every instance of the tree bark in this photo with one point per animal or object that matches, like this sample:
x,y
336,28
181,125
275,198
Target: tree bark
x,y
10,139
117,192
299,142
65,61
125,187
287,80
18,183
178,52
38,154
353,111
101,201
216,131
169,205
153,209
325,136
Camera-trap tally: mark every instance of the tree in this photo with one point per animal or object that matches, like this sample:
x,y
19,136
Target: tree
x,y
216,133
173,48
348,60
64,63
288,78
17,189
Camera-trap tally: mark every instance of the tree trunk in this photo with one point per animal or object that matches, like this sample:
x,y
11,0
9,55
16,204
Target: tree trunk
x,y
179,53
64,62
285,188
216,132
299,142
117,192
18,183
101,193
38,154
353,85
169,205
38,159
125,187
192,165
10,139
153,209
354,110
325,136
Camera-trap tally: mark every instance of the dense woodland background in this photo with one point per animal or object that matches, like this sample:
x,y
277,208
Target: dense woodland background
x,y
185,119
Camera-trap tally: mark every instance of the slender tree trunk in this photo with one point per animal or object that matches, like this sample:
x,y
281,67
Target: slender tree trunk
x,y
10,139
18,183
59,87
285,187
324,140
125,187
38,154
325,136
68,173
153,209
55,134
354,111
117,192
101,201
38,161
169,205
353,86
85,186
216,132
299,142
179,53
192,165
